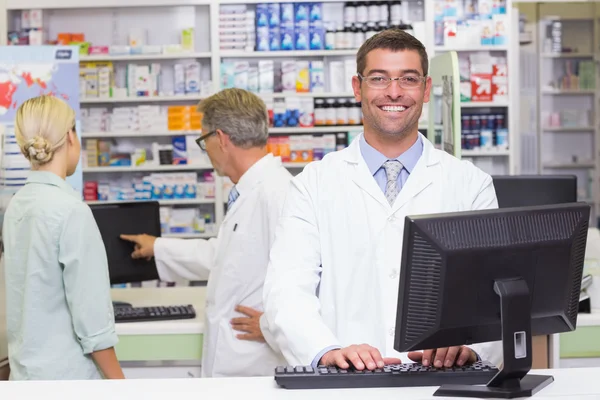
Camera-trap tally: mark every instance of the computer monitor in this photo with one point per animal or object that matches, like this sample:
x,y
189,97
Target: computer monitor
x,y
480,276
127,218
534,190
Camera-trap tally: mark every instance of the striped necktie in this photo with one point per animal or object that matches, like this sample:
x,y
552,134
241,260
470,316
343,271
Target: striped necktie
x,y
233,195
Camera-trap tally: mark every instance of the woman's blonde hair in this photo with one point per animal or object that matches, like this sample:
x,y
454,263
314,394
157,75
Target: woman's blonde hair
x,y
41,127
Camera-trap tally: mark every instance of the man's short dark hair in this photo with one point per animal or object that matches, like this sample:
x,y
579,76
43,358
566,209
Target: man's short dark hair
x,y
391,39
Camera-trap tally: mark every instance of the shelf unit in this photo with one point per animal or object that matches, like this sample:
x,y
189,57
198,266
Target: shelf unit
x,y
107,21
492,161
568,95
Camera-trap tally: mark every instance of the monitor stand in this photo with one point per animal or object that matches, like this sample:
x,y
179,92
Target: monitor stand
x,y
512,380
120,304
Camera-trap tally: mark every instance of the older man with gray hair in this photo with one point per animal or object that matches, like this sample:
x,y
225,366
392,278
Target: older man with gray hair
x,y
235,132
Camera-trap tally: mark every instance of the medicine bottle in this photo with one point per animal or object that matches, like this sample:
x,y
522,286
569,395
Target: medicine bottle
x,y
362,12
371,30
341,112
374,11
353,113
330,112
359,36
384,11
319,112
330,37
395,10
350,12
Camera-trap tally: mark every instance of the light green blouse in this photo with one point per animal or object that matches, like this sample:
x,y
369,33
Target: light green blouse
x,y
58,301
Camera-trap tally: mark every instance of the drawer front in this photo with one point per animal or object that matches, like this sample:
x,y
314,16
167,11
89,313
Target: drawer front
x,y
159,347
584,342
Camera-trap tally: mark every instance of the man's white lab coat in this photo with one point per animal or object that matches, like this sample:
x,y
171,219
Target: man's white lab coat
x,y
333,276
237,261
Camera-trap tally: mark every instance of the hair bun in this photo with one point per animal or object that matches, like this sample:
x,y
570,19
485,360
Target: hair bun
x,y
38,150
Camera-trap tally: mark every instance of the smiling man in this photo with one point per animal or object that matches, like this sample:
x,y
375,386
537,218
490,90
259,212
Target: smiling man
x,y
331,289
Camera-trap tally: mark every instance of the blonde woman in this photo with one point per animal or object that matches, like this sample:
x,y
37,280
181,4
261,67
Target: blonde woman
x,y
60,319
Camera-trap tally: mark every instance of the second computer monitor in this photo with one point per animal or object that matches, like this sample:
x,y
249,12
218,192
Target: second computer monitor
x,y
113,220
482,276
534,190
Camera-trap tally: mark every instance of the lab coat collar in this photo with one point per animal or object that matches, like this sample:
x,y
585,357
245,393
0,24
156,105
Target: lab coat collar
x,y
49,178
251,178
419,179
353,155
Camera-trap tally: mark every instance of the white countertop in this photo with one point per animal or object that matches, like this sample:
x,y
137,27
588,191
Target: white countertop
x,y
164,296
576,383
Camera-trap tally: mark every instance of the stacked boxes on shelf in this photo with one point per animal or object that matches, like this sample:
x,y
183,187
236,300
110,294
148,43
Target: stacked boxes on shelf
x,y
187,220
289,26
288,76
156,186
182,150
236,28
142,119
470,23
184,118
578,75
307,148
30,29
483,77
567,118
97,80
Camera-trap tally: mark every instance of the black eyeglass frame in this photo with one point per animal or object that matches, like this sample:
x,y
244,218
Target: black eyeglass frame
x,y
201,140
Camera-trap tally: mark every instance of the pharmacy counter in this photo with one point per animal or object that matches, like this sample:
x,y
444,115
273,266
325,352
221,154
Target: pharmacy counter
x,y
165,348
576,384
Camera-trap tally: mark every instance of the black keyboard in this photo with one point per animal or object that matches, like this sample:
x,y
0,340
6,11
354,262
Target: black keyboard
x,y
160,313
396,375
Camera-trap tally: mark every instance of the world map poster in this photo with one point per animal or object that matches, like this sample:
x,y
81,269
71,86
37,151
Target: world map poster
x,y
26,72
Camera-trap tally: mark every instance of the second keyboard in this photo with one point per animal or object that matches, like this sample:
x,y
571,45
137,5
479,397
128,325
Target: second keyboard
x,y
159,313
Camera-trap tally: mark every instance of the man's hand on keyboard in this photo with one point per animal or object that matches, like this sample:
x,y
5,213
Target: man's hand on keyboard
x,y
359,356
249,324
444,357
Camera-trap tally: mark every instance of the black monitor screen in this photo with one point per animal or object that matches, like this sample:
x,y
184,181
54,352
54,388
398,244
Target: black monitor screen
x,y
535,190
127,218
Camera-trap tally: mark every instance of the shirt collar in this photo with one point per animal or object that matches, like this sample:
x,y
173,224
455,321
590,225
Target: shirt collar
x,y
49,178
254,174
375,159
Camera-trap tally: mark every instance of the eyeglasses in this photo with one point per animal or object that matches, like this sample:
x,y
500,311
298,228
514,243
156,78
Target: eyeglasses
x,y
201,140
383,82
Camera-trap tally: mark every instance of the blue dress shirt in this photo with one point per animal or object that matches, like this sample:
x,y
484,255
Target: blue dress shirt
x,y
375,160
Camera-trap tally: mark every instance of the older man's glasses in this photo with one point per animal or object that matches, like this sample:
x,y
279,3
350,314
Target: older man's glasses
x,y
383,82
201,141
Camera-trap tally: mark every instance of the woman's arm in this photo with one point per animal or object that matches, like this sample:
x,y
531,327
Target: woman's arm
x,y
87,289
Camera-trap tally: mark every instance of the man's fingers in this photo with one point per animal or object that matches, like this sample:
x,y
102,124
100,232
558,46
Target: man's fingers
x,y
248,336
130,238
465,356
427,357
243,328
451,356
415,356
365,356
137,254
240,321
251,312
389,360
440,356
376,356
355,359
340,360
